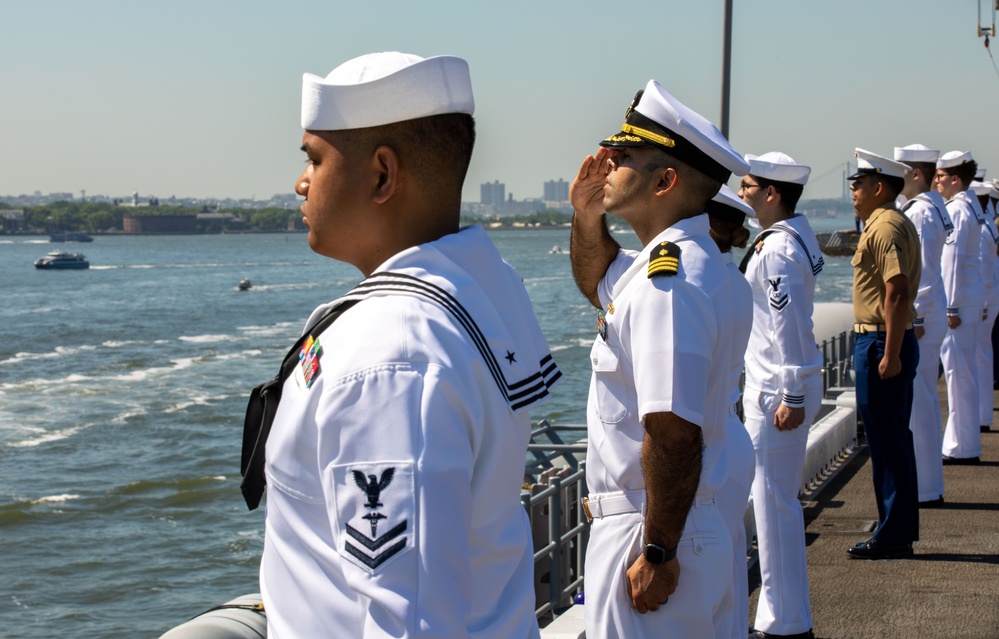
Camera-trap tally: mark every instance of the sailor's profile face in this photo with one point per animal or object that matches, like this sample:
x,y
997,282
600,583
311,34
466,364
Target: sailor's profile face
x,y
629,178
333,207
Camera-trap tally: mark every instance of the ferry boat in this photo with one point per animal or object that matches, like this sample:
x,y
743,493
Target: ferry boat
x,y
59,260
838,243
70,237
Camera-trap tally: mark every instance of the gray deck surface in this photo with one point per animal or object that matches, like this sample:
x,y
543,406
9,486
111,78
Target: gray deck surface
x,y
950,589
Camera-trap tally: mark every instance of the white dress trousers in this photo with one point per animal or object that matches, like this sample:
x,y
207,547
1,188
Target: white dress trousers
x,y
784,605
926,424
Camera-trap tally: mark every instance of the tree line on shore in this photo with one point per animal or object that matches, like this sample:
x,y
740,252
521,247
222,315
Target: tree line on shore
x,y
104,217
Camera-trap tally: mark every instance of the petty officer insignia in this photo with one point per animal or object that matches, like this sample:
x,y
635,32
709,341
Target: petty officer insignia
x,y
664,260
376,503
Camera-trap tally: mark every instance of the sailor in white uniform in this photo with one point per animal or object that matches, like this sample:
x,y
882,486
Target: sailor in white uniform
x,y
783,386
726,213
657,412
396,455
965,292
990,276
927,210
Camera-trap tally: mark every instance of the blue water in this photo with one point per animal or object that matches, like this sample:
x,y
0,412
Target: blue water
x,y
122,391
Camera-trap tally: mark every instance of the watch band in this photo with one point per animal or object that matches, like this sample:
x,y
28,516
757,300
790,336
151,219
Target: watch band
x,y
656,554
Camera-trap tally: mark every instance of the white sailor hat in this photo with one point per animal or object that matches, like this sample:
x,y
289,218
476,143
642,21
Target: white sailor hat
x,y
916,153
980,173
655,118
778,167
873,164
994,193
382,88
950,159
980,188
729,206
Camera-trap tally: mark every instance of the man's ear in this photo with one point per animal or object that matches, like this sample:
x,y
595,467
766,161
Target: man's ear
x,y
385,166
666,182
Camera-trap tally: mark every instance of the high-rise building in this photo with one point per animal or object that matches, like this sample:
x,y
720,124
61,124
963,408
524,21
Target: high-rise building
x,y
493,193
556,191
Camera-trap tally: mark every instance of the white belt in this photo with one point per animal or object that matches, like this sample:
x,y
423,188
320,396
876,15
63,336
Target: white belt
x,y
599,505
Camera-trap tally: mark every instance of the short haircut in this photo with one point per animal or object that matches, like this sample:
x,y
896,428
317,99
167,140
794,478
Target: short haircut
x,y
701,187
789,193
964,172
926,169
435,149
894,183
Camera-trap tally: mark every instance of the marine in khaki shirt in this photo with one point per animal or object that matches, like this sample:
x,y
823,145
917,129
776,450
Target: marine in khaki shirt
x,y
886,270
889,246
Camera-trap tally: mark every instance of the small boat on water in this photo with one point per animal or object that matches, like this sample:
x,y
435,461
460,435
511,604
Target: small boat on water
x,y
59,260
557,250
244,284
70,237
838,243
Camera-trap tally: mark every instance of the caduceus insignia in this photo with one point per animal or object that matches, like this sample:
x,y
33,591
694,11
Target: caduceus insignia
x,y
372,486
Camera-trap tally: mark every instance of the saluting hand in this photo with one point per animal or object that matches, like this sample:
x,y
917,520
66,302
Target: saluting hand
x,y
586,193
649,586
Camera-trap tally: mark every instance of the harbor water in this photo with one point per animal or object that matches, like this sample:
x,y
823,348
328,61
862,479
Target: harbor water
x,y
122,391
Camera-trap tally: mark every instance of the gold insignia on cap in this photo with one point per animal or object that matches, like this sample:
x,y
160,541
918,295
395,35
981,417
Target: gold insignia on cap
x,y
664,260
648,135
617,137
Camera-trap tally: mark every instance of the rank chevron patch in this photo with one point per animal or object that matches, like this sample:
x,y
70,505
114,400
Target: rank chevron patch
x,y
778,299
376,508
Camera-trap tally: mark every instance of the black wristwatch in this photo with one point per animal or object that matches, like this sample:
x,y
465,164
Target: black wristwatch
x,y
656,554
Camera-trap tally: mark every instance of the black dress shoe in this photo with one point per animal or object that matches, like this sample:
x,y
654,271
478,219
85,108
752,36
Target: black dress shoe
x,y
961,461
986,429
759,634
932,503
873,549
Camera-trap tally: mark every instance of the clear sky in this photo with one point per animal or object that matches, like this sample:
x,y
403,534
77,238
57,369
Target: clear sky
x,y
201,98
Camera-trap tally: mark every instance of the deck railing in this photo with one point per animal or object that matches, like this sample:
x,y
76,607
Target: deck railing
x,y
556,473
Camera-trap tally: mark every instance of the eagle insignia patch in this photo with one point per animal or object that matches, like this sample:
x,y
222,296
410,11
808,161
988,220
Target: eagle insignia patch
x,y
376,507
664,259
777,297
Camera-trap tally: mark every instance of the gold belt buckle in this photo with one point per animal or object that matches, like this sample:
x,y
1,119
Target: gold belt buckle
x,y
586,508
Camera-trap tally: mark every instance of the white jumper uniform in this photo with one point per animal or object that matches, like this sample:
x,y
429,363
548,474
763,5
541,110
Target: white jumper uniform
x,y
733,496
665,347
965,292
928,213
990,276
396,457
783,366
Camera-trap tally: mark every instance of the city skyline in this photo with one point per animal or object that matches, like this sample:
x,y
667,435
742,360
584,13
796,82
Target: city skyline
x,y
201,100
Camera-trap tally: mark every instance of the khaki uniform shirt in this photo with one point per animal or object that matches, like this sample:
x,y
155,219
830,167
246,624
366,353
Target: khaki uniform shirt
x,y
889,246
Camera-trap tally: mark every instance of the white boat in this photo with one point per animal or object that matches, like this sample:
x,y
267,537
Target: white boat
x,y
60,260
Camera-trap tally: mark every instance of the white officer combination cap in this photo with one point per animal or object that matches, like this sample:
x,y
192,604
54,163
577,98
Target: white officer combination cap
x,y
950,159
916,153
778,167
655,118
382,88
981,188
873,164
729,206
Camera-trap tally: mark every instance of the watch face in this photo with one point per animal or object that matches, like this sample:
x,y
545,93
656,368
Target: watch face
x,y
655,554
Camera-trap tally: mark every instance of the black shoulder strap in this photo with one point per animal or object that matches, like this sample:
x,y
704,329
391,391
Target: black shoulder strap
x,y
262,408
744,264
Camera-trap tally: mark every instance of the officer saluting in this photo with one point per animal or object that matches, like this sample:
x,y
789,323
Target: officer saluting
x,y
657,409
886,269
927,210
396,456
965,291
